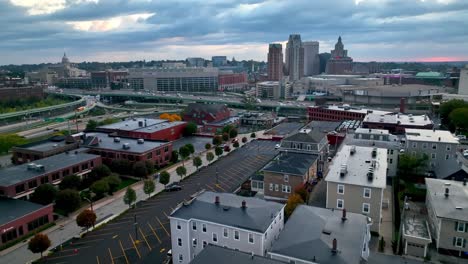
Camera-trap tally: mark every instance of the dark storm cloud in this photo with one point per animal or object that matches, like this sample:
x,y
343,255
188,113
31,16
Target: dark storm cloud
x,y
368,25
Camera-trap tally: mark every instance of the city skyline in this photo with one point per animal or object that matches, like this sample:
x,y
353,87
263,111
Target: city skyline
x,y
103,30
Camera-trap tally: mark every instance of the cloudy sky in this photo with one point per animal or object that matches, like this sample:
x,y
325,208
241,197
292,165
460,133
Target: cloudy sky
x,y
34,31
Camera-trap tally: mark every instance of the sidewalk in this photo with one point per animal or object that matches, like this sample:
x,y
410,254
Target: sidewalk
x,y
386,228
111,206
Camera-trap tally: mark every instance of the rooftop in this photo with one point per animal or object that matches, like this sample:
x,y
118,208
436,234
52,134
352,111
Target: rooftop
x,y
105,141
352,109
371,131
291,163
13,209
48,144
403,119
308,235
269,83
133,124
257,216
212,108
355,163
415,224
16,174
215,254
455,206
428,135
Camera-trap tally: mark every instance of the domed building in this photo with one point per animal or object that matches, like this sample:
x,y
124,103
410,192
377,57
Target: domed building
x,y
339,62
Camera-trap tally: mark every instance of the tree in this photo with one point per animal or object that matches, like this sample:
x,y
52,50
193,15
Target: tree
x,y
293,201
164,178
209,157
233,133
217,140
253,135
100,187
225,136
140,170
197,162
7,141
302,191
86,218
92,125
149,166
181,171
70,182
458,118
190,129
410,165
218,151
207,146
149,187
122,166
184,152
227,128
113,181
191,148
44,194
39,243
235,144
244,140
130,196
447,107
68,200
100,172
174,156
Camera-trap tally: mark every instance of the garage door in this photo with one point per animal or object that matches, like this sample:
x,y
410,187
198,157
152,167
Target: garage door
x,y
415,250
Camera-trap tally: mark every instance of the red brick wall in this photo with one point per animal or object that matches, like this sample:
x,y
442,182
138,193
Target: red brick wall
x,y
324,114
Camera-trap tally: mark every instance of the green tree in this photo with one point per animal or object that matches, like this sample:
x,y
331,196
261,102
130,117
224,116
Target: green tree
x,y
225,136
86,218
209,156
39,243
113,181
190,129
149,166
197,162
174,156
181,171
459,119
7,141
207,146
227,129
235,144
70,182
164,178
410,165
130,196
68,200
149,187
233,133
140,170
293,201
191,148
184,152
218,151
217,140
302,191
253,135
92,125
100,172
244,140
44,194
122,166
447,107
100,187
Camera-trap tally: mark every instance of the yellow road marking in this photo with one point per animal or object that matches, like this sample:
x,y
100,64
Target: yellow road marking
x,y
97,260
162,226
110,253
123,251
165,214
134,245
154,232
72,249
211,188
219,186
89,241
143,235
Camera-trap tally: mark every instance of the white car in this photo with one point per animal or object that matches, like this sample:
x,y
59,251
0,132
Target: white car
x,y
465,153
461,137
277,146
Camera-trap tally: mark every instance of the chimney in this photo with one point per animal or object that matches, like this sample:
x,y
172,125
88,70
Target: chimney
x,y
335,246
217,200
244,204
402,105
447,192
464,181
439,138
343,217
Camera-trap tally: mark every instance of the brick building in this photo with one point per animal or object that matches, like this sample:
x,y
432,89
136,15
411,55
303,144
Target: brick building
x,y
43,149
146,128
20,181
16,93
232,82
114,148
19,218
109,78
206,113
339,113
396,123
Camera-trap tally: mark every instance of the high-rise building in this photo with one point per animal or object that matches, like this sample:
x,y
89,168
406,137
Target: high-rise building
x,y
196,62
311,59
219,61
463,83
275,62
295,57
339,63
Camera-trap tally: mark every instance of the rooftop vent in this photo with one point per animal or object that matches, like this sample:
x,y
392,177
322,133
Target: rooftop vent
x,y
343,170
343,216
116,139
447,192
140,123
140,141
370,174
31,166
244,204
326,232
464,181
374,152
334,246
217,200
55,145
352,150
126,146
459,208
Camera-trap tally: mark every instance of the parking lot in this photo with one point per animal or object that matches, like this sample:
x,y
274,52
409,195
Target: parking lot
x,y
197,142
147,241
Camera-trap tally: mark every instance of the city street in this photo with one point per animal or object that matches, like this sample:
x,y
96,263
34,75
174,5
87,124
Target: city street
x,y
123,241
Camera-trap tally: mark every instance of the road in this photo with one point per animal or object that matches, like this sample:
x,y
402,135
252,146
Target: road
x,y
121,241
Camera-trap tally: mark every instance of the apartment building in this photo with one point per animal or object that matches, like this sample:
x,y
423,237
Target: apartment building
x,y
356,181
440,146
446,203
241,223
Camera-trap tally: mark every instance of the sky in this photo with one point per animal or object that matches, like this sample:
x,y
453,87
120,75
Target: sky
x,y
37,31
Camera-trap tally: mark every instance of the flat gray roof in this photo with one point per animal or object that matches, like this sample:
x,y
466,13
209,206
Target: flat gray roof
x,y
46,145
215,254
291,163
13,209
304,236
104,141
133,124
446,207
357,165
256,217
429,135
16,174
408,120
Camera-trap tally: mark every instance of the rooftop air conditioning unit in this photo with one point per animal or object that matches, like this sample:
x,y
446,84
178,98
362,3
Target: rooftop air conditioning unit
x,y
126,146
140,141
31,166
352,150
370,174
374,152
116,139
343,170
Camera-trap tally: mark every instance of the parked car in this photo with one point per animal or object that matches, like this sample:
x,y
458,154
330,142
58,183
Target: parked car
x,y
277,146
461,137
465,153
173,187
227,148
234,140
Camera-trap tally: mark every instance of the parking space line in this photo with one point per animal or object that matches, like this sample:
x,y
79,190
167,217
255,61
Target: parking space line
x,y
112,258
154,232
166,215
163,226
221,188
89,241
64,256
211,188
143,235
123,251
222,181
97,260
73,249
99,234
118,223
134,245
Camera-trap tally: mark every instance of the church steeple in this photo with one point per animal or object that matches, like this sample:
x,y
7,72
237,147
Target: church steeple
x,y
65,59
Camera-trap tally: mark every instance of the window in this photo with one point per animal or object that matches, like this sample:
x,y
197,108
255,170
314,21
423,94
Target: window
x,y
215,238
424,145
459,242
181,258
447,156
391,161
178,225
76,169
433,155
225,232
32,184
339,204
194,242
271,186
194,226
286,188
55,176
391,152
449,147
367,193
276,187
460,227
415,145
84,166
204,243
44,179
434,146
236,235
251,238
179,242
19,188
38,222
340,189
365,208
204,228
286,178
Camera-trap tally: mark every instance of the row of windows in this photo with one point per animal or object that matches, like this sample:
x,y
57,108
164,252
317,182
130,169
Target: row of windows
x,y
365,206
366,192
284,188
448,147
433,155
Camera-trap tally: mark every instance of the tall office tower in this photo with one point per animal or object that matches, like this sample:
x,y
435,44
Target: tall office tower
x,y
219,61
295,57
339,63
311,59
275,62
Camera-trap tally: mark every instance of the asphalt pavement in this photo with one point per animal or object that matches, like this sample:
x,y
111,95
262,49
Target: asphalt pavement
x,y
147,241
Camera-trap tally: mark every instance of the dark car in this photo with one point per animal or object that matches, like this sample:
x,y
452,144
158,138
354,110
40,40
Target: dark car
x,y
227,148
173,188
